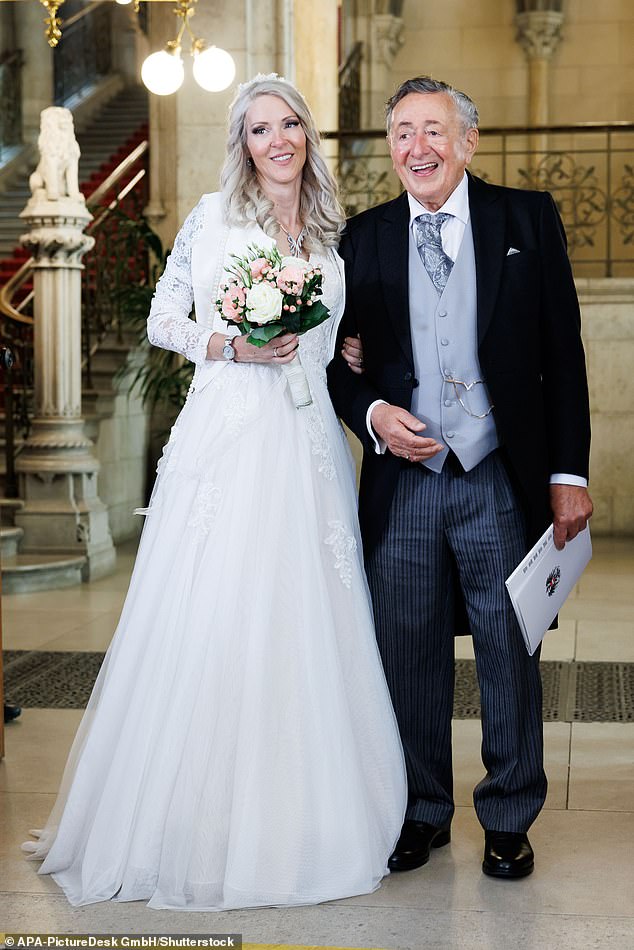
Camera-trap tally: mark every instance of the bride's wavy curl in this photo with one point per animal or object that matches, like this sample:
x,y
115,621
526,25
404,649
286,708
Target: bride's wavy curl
x,y
243,198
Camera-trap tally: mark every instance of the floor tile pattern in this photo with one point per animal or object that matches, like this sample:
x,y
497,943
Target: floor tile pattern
x,y
573,692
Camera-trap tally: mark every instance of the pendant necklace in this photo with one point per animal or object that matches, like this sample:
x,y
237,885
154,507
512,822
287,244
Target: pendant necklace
x,y
295,244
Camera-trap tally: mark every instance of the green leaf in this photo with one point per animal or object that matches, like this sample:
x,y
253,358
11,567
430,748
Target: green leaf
x,y
292,322
262,335
314,315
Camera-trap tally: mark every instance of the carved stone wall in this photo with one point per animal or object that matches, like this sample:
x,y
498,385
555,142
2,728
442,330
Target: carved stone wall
x,y
591,76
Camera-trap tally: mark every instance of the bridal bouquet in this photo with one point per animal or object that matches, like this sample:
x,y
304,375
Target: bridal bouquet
x,y
268,295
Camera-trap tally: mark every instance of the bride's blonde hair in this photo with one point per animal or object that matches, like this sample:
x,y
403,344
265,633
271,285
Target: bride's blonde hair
x,y
243,198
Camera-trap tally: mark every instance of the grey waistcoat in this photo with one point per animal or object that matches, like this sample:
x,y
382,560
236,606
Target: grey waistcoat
x,y
444,344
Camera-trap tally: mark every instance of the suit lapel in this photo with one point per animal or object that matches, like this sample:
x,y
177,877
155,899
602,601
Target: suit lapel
x,y
393,248
488,224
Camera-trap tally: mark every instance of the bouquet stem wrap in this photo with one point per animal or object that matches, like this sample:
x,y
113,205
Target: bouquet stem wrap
x,y
297,382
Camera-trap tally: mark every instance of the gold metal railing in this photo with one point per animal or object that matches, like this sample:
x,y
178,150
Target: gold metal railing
x,y
588,168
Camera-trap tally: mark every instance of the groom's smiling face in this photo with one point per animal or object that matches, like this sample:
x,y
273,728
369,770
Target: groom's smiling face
x,y
430,146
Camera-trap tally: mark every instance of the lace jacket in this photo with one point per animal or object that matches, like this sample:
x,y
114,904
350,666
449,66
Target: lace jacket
x,y
194,271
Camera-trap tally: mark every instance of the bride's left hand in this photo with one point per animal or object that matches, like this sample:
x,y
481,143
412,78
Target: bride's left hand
x,y
352,353
278,351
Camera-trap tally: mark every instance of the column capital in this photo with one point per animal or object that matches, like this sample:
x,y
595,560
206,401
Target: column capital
x,y
387,37
539,32
55,236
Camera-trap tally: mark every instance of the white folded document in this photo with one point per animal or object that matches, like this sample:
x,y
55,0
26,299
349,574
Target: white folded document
x,y
541,582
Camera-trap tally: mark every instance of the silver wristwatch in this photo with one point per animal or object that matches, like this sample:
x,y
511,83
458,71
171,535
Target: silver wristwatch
x,y
228,350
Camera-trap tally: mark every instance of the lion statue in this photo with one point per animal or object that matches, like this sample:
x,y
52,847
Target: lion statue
x,y
56,176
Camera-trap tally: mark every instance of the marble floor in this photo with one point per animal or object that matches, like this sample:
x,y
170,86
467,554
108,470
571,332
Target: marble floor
x,y
581,895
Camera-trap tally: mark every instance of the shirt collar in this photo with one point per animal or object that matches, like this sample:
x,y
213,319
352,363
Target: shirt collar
x,y
456,204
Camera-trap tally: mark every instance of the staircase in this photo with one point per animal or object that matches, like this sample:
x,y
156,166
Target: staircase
x,y
113,132
117,128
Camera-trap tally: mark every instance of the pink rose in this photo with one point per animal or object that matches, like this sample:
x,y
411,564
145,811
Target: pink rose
x,y
232,302
258,267
290,279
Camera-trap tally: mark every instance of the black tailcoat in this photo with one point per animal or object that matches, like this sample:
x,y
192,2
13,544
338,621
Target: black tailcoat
x,y
530,348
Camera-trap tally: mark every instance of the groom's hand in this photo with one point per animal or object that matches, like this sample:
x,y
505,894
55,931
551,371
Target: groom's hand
x,y
401,432
571,507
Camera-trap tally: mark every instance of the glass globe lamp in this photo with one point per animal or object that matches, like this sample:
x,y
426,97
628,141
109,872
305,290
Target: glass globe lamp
x,y
214,69
163,72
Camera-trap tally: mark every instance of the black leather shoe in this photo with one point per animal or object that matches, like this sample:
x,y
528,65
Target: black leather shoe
x,y
415,843
11,712
507,854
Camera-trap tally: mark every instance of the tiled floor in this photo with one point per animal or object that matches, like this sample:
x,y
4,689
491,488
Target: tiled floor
x,y
581,895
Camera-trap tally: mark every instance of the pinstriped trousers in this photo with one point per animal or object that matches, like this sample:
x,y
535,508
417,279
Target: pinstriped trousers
x,y
467,528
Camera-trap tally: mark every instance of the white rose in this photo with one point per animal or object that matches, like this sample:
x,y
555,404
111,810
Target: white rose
x,y
264,303
296,262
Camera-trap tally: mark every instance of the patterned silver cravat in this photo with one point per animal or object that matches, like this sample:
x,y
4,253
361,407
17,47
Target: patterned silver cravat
x,y
437,264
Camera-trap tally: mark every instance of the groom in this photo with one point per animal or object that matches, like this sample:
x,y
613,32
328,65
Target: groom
x,y
473,414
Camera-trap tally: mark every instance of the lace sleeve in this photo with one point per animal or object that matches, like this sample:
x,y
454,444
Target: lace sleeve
x,y
169,324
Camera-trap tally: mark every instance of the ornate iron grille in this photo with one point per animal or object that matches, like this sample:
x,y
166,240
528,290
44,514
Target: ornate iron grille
x,y
84,53
587,168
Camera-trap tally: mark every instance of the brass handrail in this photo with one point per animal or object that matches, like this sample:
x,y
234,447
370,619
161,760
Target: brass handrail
x,y
115,175
8,291
12,285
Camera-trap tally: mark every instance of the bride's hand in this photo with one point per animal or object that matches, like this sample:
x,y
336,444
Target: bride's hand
x,y
278,351
352,353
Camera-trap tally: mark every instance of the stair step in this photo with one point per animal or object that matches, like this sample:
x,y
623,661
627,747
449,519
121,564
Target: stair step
x,y
10,538
105,364
8,508
101,380
97,404
24,573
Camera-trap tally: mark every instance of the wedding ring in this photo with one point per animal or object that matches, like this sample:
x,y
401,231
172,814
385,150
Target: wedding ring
x,y
360,362
275,352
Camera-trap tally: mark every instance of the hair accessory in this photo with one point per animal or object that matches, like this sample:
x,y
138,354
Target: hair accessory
x,y
261,77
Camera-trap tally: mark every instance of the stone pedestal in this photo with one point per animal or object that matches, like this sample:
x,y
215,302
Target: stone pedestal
x,y
57,469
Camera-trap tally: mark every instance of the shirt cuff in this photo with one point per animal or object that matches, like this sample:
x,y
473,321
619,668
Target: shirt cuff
x,y
563,479
379,445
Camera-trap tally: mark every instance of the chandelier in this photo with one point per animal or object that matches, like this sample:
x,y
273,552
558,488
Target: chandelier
x,y
163,72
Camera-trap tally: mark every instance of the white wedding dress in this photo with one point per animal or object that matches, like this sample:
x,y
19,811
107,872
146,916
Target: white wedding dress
x,y
239,748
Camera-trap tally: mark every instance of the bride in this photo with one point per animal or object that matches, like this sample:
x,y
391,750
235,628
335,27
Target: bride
x,y
239,748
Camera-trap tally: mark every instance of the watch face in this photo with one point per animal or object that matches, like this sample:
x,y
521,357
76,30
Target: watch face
x,y
228,351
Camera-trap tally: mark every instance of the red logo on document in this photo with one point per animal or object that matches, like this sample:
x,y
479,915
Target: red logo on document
x,y
552,581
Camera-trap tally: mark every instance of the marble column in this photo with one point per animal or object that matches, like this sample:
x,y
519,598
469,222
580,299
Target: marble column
x,y
57,468
315,67
539,35
387,39
155,209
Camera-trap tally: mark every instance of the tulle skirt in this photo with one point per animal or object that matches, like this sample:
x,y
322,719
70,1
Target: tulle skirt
x,y
239,748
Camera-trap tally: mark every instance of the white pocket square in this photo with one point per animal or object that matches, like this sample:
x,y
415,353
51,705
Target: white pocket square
x,y
512,250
